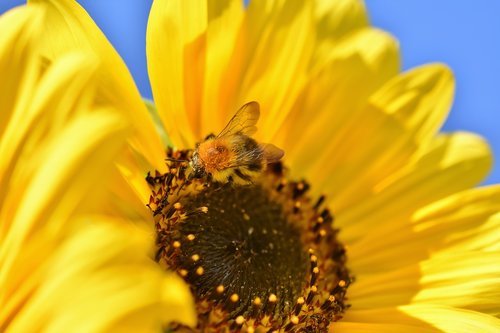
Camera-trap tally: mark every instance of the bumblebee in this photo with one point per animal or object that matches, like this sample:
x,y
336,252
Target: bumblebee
x,y
233,155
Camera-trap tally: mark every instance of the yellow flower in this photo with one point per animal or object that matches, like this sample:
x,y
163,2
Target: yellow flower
x,y
422,245
61,260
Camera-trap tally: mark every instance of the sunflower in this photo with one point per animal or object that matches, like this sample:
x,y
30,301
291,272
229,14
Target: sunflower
x,y
63,261
370,222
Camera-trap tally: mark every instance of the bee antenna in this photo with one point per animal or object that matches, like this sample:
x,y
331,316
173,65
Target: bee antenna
x,y
175,160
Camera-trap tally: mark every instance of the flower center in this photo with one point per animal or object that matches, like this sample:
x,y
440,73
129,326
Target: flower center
x,y
258,257
245,245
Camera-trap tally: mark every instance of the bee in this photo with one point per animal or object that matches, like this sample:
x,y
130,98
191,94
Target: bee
x,y
233,156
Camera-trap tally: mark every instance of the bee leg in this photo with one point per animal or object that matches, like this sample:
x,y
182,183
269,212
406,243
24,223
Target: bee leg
x,y
180,188
224,185
210,178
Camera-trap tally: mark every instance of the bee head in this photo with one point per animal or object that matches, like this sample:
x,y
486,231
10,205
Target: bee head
x,y
198,171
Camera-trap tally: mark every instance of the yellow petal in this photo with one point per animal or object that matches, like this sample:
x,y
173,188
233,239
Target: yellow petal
x,y
68,27
466,221
337,100
414,105
471,226
453,163
335,22
344,326
277,53
452,320
376,48
99,279
69,168
337,18
467,280
63,89
446,237
17,60
175,65
388,288
129,193
59,268
417,318
420,98
223,49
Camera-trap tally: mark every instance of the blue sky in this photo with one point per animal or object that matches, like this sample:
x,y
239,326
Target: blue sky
x,y
463,34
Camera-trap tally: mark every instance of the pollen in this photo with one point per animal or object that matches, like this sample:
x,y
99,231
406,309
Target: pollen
x,y
240,320
234,298
262,257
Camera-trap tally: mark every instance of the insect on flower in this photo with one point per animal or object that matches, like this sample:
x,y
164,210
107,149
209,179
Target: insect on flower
x,y
233,155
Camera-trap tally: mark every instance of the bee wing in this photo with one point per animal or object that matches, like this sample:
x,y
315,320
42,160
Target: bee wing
x,y
265,152
243,121
271,152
